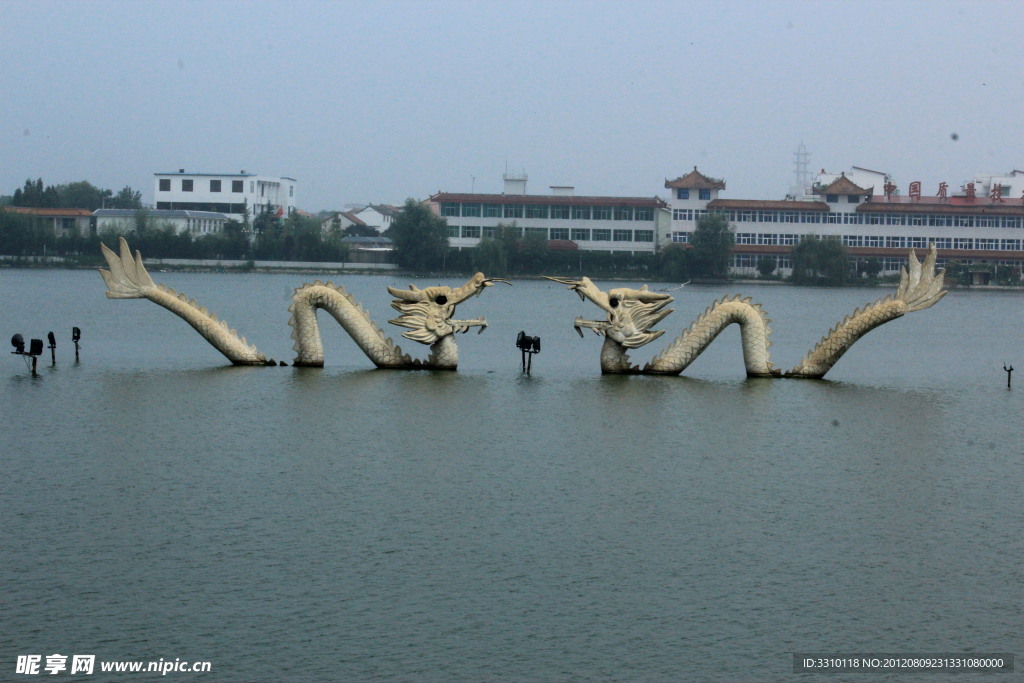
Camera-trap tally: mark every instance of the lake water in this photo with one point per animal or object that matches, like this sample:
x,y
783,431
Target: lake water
x,y
347,523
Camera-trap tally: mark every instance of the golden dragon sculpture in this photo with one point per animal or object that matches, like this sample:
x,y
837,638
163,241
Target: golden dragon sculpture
x,y
426,313
631,313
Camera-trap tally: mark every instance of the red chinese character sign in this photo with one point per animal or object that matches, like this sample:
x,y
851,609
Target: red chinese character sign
x,y
889,188
915,190
996,195
943,190
969,192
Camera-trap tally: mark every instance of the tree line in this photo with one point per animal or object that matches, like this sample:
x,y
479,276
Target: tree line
x,y
419,236
77,195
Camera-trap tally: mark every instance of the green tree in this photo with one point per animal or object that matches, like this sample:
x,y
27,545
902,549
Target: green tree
x,y
127,198
420,237
675,263
872,267
712,245
819,261
766,265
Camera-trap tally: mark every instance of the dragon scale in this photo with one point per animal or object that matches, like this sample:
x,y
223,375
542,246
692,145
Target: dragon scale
x,y
754,336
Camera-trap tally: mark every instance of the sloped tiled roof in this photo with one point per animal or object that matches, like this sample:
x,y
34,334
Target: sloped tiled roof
x,y
695,180
575,200
842,185
35,211
766,204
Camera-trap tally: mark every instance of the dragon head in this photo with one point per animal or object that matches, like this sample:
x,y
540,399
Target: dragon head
x,y
428,312
631,312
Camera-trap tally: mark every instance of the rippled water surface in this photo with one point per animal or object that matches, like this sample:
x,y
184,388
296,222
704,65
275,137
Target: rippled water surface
x,y
350,523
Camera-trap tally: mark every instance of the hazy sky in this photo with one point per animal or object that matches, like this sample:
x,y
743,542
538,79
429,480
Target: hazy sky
x,y
376,101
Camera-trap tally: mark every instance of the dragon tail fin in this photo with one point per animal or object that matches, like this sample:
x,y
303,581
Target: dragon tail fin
x,y
920,285
127,277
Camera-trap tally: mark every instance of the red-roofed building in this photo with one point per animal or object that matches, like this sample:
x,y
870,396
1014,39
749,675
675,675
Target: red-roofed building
x,y
63,222
867,212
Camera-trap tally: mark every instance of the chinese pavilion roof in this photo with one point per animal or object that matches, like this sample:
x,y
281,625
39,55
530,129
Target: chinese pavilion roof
x,y
842,185
695,180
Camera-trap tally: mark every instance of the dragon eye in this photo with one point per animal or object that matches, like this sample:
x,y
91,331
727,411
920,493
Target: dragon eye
x,y
441,300
613,302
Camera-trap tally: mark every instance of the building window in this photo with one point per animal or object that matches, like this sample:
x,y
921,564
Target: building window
x,y
682,193
705,194
602,235
513,211
623,213
472,231
165,184
745,238
682,214
623,236
643,213
852,198
543,232
453,231
214,186
186,185
832,198
450,209
560,211
643,235
789,238
291,190
602,213
680,237
492,210
581,212
580,235
236,186
471,210
488,231
536,210
559,233
896,242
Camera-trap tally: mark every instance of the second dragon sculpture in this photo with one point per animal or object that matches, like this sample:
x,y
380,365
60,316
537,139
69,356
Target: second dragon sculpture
x,y
631,313
426,313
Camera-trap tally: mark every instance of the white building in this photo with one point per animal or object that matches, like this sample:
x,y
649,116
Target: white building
x,y
615,224
982,225
377,216
197,223
227,193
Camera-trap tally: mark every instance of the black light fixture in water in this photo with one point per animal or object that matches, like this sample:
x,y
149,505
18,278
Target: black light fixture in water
x,y
76,334
35,349
52,347
529,346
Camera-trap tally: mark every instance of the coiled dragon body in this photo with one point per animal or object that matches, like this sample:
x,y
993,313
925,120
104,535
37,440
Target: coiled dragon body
x,y
425,313
631,313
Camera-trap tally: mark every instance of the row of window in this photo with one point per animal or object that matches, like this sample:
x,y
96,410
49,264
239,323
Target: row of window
x,y
216,207
188,185
203,225
556,211
574,234
889,242
889,263
821,217
684,193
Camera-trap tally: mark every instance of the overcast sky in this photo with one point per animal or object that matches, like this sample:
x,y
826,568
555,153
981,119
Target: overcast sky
x,y
377,101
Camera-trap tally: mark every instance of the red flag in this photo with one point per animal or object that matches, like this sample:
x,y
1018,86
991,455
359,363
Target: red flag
x,y
280,212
